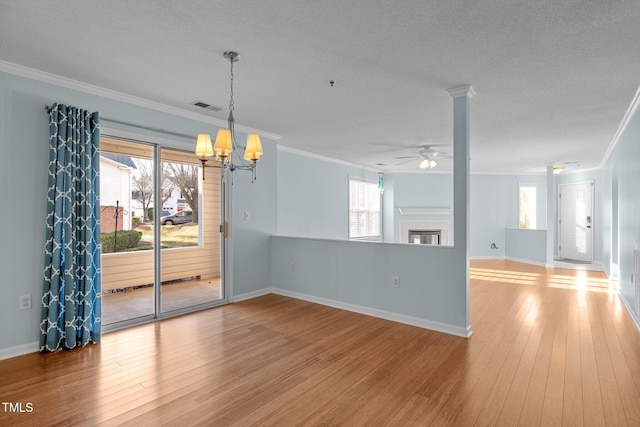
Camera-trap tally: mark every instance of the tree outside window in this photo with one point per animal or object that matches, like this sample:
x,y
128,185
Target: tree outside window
x,y
527,206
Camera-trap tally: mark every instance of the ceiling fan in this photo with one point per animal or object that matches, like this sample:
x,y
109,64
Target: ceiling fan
x,y
428,156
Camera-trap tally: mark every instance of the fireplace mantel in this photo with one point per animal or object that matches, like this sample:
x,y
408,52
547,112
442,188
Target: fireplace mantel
x,y
424,211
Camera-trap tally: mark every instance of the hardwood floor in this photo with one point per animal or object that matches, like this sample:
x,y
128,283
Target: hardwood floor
x,y
550,347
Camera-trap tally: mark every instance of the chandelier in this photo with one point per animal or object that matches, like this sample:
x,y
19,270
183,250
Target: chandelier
x,y
225,142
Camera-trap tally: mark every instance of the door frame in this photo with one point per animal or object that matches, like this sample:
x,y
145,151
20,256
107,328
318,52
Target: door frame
x,y
590,241
157,144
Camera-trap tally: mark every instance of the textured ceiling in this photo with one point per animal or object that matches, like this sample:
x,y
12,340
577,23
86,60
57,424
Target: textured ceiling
x,y
553,78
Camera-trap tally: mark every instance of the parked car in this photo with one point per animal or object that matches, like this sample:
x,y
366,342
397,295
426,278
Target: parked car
x,y
177,218
166,213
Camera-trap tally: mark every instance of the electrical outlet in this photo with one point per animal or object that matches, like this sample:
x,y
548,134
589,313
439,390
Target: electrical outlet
x,y
292,266
396,282
24,302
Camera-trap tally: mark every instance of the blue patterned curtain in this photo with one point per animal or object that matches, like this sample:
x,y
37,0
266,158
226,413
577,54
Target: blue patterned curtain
x,y
71,292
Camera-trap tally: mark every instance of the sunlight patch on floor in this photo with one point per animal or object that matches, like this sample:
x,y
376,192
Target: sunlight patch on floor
x,y
581,282
492,275
576,280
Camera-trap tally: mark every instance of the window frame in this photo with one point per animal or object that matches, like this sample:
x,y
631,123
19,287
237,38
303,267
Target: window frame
x,y
373,183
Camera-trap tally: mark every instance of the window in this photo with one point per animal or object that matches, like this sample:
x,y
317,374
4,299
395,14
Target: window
x,y
127,182
527,206
180,196
364,209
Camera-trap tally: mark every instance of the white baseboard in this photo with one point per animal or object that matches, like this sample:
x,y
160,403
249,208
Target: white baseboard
x,y
19,350
526,261
382,314
34,347
252,294
629,306
595,266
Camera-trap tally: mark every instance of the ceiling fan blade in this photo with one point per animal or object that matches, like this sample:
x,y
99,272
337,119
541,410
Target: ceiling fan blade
x,y
439,158
437,155
384,147
406,161
408,157
433,145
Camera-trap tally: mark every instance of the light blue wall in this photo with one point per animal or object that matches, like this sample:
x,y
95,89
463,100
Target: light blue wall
x,y
361,273
252,237
493,204
290,186
434,281
528,246
620,189
23,167
419,190
432,190
494,208
312,197
312,201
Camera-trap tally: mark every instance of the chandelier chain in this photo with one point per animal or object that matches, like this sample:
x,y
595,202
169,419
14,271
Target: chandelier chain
x,y
225,144
231,104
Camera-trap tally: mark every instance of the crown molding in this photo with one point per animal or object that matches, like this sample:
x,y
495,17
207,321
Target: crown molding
x,y
420,172
355,165
67,83
635,102
459,91
574,171
507,173
298,152
424,211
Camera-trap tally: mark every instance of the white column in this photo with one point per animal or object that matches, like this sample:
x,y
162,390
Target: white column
x,y
551,217
461,96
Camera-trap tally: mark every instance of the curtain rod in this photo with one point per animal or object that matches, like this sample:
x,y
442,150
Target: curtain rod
x,y
152,129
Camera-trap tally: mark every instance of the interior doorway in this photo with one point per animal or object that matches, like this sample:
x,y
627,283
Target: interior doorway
x,y
575,221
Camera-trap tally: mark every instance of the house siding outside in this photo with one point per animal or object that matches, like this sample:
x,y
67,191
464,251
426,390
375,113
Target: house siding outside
x,y
115,190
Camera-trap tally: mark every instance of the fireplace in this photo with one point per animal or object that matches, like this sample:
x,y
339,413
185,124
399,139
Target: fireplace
x,y
425,237
426,232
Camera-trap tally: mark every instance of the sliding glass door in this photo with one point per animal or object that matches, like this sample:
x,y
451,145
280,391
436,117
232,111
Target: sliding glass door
x,y
161,235
190,264
126,230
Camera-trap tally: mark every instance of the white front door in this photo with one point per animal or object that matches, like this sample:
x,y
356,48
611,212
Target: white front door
x,y
575,221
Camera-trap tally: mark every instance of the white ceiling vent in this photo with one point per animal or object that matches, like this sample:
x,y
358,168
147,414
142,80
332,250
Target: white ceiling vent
x,y
205,105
